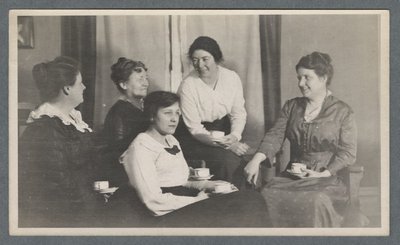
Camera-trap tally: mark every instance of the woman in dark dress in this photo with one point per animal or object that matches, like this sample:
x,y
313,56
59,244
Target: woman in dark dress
x,y
159,174
125,119
212,103
54,178
323,136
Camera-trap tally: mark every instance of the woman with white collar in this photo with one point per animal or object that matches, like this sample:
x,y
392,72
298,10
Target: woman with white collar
x,y
54,184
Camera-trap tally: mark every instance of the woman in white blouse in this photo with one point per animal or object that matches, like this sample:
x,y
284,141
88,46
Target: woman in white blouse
x,y
159,174
212,100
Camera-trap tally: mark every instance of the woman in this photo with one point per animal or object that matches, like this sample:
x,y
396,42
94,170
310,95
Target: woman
x,y
54,179
323,136
212,100
160,176
125,120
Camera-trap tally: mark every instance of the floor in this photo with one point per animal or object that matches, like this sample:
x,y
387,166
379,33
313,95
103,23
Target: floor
x,y
370,205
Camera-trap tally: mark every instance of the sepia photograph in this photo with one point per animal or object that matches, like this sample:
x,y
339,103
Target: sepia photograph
x,y
199,122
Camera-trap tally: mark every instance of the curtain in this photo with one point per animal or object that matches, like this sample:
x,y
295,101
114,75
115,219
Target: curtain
x,y
270,38
239,39
144,38
78,40
250,46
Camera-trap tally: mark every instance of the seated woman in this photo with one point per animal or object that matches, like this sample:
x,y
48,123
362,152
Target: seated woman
x,y
54,186
212,100
125,120
323,136
159,174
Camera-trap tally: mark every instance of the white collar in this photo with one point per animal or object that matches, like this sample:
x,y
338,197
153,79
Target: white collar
x,y
74,118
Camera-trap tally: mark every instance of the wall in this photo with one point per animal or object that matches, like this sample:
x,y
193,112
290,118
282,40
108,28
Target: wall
x,y
47,45
353,43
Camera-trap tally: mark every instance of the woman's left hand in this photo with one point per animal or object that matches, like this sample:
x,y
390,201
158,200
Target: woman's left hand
x,y
315,174
226,141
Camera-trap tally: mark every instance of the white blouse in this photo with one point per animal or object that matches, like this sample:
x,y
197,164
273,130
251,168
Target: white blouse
x,y
200,103
149,167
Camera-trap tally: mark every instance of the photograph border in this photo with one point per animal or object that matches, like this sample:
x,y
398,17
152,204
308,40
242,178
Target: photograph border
x,y
301,232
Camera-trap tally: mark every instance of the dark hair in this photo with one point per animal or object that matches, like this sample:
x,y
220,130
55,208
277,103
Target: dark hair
x,y
121,71
319,62
157,100
208,44
52,76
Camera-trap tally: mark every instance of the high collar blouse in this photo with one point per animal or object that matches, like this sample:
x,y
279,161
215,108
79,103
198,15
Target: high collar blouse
x,y
329,141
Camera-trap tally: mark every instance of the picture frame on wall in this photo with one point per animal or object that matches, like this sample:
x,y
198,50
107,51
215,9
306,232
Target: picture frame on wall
x,y
25,32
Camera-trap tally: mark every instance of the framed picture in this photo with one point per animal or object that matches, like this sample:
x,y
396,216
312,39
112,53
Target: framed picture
x,y
25,32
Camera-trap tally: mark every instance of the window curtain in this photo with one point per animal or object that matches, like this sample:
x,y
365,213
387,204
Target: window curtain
x,y
250,46
270,38
144,38
79,41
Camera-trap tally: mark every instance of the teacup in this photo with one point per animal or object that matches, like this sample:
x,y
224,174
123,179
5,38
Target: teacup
x,y
222,187
201,172
217,134
298,167
100,185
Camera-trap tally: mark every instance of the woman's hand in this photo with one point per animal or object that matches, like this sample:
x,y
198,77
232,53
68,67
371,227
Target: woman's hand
x,y
315,174
239,148
202,195
251,171
226,141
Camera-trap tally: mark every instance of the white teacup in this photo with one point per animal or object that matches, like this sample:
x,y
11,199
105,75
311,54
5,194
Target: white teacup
x,y
298,167
201,172
217,134
100,185
222,187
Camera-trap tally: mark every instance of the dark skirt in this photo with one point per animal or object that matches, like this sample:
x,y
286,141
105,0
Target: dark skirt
x,y
223,164
314,202
237,209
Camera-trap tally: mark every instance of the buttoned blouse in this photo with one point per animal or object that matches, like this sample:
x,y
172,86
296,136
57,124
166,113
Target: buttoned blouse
x,y
329,141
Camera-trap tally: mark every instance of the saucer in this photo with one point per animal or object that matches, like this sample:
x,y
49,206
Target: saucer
x,y
108,190
202,178
301,174
224,192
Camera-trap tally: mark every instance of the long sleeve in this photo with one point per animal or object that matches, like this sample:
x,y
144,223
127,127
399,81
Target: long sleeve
x,y
190,112
238,114
140,165
274,138
346,151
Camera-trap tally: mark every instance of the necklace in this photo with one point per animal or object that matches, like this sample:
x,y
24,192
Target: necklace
x,y
310,114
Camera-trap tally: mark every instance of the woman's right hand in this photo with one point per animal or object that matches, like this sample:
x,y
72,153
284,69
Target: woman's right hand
x,y
251,171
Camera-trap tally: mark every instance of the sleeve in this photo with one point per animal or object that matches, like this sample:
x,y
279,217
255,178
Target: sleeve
x,y
274,138
347,148
190,112
238,114
139,163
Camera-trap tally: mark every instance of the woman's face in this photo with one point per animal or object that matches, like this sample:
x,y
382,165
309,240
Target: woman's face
x,y
204,63
311,85
75,92
167,118
137,84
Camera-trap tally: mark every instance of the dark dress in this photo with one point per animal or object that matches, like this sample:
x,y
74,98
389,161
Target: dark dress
x,y
54,187
327,142
223,164
123,123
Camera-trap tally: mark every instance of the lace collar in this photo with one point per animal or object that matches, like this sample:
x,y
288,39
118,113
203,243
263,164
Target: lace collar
x,y
74,118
